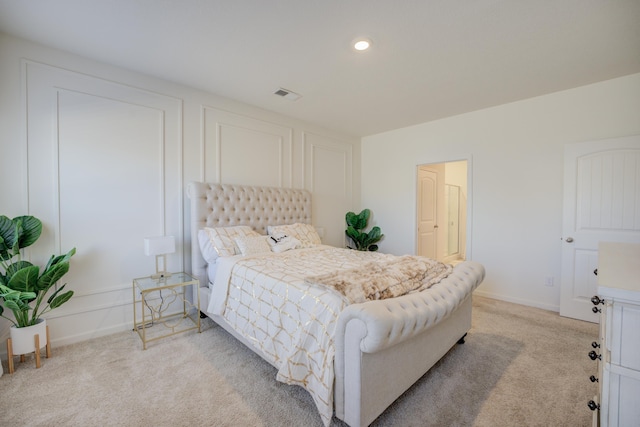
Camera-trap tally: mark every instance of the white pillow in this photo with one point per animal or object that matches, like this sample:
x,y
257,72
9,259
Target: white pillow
x,y
305,233
222,240
250,245
280,242
206,247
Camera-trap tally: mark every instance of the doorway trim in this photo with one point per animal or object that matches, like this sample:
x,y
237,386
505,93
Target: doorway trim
x,y
469,219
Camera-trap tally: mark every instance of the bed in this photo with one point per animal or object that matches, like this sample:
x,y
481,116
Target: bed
x,y
371,352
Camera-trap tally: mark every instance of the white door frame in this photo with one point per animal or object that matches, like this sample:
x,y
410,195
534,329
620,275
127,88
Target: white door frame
x,y
469,220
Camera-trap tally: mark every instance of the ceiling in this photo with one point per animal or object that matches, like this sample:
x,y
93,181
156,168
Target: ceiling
x,y
429,59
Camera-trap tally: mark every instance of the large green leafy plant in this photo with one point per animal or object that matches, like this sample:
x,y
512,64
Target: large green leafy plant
x,y
23,287
362,240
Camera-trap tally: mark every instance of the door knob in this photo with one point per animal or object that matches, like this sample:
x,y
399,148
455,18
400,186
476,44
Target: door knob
x,y
569,239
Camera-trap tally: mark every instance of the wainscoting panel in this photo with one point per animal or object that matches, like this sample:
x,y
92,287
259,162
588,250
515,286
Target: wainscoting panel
x,y
328,176
243,150
105,171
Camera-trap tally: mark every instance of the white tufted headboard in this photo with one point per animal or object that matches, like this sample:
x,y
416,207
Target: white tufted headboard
x,y
221,205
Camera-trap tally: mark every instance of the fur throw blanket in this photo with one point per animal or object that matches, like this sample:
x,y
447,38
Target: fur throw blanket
x,y
384,280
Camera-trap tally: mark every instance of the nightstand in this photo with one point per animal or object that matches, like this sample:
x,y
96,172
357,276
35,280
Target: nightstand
x,y
163,302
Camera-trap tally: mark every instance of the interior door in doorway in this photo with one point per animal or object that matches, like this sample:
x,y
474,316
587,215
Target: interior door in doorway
x,y
428,187
601,203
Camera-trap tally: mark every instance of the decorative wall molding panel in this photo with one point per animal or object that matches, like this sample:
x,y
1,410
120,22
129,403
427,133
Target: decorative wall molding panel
x,y
105,171
328,175
244,150
102,155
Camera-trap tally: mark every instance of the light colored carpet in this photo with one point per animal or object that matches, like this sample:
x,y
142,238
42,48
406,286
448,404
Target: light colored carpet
x,y
520,366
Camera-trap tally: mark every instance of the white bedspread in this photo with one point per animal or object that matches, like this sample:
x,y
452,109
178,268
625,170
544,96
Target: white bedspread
x,y
293,324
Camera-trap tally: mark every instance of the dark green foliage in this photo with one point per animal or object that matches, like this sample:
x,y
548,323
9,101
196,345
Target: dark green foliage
x,y
356,224
21,283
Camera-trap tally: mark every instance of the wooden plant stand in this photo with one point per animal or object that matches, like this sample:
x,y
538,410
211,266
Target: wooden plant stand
x,y
36,339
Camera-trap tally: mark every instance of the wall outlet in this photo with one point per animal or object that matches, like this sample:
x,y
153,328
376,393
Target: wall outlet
x,y
548,281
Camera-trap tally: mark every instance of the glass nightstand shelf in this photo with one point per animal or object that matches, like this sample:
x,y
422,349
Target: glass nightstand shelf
x,y
163,302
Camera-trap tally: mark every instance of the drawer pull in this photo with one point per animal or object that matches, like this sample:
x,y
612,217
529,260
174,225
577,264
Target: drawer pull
x,y
593,355
593,405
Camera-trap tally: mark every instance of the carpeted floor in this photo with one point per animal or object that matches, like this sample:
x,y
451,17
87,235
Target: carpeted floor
x,y
520,366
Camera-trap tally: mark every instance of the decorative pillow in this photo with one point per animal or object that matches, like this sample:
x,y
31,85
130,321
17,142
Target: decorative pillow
x,y
305,233
222,239
206,247
280,242
250,245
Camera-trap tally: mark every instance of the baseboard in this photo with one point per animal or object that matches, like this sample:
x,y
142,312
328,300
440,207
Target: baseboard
x,y
68,340
529,303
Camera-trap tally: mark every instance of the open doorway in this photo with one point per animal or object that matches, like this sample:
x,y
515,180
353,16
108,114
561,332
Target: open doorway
x,y
443,211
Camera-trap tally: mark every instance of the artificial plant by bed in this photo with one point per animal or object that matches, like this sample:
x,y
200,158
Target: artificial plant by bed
x,y
23,287
356,225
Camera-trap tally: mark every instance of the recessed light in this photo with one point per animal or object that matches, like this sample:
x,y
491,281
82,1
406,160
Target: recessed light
x,y
362,44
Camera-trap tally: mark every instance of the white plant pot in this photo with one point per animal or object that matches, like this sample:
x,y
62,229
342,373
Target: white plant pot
x,y
22,339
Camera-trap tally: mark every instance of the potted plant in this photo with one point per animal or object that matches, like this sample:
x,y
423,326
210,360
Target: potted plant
x,y
356,224
23,287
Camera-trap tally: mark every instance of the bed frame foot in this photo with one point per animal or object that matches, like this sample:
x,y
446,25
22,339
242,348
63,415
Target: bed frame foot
x,y
461,340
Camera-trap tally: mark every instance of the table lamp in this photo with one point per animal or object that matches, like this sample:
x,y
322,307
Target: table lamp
x,y
160,246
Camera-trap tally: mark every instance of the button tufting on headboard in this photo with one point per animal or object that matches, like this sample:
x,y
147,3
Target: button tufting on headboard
x,y
222,205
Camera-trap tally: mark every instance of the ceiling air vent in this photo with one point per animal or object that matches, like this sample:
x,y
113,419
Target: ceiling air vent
x,y
287,94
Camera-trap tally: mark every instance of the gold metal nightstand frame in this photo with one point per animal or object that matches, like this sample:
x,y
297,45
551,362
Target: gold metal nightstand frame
x,y
153,312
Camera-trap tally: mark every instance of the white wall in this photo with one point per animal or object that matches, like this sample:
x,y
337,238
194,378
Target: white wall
x,y
516,153
102,155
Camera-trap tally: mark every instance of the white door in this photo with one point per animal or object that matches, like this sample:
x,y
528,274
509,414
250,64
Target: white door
x,y
601,203
427,213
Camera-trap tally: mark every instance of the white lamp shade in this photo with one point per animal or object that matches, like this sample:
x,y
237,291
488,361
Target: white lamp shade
x,y
159,245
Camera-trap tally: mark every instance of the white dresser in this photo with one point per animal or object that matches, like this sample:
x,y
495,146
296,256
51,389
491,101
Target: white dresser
x,y
618,350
